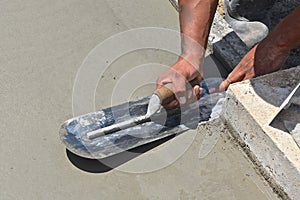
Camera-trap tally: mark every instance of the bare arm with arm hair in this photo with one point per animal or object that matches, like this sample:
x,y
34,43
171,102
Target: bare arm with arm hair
x,y
195,17
270,54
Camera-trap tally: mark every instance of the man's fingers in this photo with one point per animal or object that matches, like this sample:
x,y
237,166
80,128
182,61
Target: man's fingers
x,y
179,88
222,87
197,90
193,95
160,82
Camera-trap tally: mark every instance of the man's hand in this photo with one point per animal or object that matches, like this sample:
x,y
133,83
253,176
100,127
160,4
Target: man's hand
x,y
264,58
270,54
195,18
180,75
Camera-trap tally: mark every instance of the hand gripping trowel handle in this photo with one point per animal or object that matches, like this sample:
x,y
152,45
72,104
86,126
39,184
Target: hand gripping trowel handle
x,y
164,96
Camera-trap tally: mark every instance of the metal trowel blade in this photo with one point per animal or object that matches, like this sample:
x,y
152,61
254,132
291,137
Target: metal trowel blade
x,y
293,98
153,107
288,116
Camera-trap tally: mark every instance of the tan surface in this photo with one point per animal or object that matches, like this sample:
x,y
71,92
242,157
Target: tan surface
x,y
221,7
42,45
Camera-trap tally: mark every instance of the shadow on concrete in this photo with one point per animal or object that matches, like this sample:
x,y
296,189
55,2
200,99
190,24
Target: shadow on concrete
x,y
109,163
213,68
276,87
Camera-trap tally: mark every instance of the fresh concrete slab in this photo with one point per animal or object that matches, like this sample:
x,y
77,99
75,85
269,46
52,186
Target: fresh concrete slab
x,y
43,44
249,108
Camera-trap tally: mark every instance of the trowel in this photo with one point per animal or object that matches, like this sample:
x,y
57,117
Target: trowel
x,y
161,96
288,116
123,127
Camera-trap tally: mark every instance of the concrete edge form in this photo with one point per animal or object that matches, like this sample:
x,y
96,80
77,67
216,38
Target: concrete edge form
x,y
248,110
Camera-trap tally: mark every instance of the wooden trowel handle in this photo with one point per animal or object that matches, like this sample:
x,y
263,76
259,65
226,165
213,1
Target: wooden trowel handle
x,y
165,93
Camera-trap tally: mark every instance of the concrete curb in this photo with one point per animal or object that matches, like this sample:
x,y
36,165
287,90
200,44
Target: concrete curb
x,y
248,110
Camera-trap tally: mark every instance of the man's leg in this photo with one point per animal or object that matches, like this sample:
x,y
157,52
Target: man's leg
x,y
244,16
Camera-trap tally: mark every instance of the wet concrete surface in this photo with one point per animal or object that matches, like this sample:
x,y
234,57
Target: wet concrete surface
x,y
43,44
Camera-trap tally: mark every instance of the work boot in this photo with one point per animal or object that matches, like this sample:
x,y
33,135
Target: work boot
x,y
244,16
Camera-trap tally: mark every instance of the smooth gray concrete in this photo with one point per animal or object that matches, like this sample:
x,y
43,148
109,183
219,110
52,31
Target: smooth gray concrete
x,y
43,43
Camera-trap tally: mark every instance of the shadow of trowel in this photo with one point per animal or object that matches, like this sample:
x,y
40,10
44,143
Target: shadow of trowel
x,y
109,163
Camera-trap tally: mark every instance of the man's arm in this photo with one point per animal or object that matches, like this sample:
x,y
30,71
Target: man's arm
x,y
288,30
270,54
195,17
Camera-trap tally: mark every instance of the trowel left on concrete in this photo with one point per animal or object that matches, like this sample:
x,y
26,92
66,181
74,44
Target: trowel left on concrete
x,y
120,128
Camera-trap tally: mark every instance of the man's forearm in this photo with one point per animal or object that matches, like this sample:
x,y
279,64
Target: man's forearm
x,y
196,17
287,31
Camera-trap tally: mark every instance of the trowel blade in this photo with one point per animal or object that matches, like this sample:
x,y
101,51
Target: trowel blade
x,y
292,98
73,130
288,117
153,107
294,130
